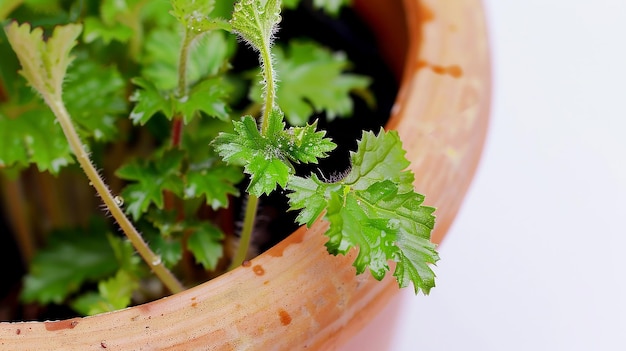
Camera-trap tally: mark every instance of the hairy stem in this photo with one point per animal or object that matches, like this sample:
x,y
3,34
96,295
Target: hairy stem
x,y
246,232
253,201
181,90
270,89
153,260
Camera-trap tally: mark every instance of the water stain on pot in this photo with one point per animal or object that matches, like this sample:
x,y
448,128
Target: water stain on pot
x,y
61,325
454,71
285,318
258,270
425,13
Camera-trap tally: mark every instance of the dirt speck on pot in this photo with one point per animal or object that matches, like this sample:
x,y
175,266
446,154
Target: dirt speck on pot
x,y
258,270
285,318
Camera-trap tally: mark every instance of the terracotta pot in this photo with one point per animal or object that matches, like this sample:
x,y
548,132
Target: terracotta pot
x,y
296,295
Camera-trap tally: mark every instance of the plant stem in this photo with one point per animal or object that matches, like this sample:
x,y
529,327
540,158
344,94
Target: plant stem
x,y
253,201
270,89
246,233
181,90
153,260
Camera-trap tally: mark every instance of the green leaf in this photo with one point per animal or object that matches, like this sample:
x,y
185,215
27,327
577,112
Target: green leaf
x,y
94,97
351,226
331,7
206,245
215,181
96,29
259,156
195,15
209,96
149,101
70,259
170,250
125,255
290,4
113,294
379,157
33,137
44,63
413,259
207,57
152,178
312,80
267,158
256,21
119,21
375,209
310,196
305,144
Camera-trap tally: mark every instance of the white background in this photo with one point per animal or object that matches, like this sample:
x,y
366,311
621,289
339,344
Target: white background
x,y
536,259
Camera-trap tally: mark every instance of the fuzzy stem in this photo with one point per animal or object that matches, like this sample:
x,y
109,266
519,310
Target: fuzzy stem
x,y
181,91
270,88
253,201
153,260
246,232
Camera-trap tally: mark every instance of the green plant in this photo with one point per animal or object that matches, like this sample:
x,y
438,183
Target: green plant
x,y
180,182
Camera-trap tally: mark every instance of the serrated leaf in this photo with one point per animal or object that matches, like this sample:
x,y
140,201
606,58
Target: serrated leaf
x,y
209,96
94,97
256,22
207,56
113,294
310,196
379,157
149,101
413,258
95,29
206,245
70,259
306,144
116,11
351,226
44,63
117,21
195,16
375,209
215,182
152,178
33,137
170,250
267,158
312,80
257,154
